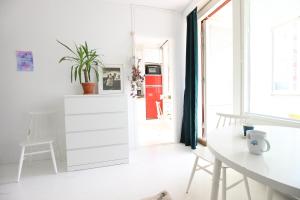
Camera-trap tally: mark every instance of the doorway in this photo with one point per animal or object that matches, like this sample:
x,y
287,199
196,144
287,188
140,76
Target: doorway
x,y
216,66
153,104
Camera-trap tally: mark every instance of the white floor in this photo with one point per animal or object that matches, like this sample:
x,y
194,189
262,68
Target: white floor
x,y
153,131
151,170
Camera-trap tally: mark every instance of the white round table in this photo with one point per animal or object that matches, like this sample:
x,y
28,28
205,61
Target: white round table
x,y
278,168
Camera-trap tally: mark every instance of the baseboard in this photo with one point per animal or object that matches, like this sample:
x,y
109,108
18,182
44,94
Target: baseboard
x,y
96,165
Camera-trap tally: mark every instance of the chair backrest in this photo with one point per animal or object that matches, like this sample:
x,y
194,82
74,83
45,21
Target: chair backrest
x,y
41,125
158,110
229,119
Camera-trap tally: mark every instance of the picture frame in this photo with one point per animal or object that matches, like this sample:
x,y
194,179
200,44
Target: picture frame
x,y
111,79
24,61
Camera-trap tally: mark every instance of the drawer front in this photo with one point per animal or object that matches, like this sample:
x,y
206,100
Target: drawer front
x,y
92,122
96,138
94,155
95,104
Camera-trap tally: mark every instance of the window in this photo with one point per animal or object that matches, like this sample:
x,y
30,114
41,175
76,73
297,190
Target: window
x,y
286,57
273,84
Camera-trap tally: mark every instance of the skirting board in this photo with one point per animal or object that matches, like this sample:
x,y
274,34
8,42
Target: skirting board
x,y
96,165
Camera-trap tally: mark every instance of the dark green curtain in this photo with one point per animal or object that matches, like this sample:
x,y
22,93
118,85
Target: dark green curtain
x,y
189,132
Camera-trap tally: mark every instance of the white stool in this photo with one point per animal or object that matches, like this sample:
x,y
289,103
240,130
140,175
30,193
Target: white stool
x,y
36,139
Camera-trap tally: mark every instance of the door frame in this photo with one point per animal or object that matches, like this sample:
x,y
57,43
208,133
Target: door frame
x,y
203,36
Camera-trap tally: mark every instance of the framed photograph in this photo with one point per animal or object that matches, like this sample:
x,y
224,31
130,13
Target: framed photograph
x,y
111,79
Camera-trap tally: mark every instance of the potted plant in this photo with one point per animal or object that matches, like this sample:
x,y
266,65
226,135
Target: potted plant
x,y
84,61
137,80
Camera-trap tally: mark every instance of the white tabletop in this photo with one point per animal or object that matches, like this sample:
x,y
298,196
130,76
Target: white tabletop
x,y
278,168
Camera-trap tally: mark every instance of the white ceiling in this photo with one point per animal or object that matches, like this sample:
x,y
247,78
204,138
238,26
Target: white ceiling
x,y
177,5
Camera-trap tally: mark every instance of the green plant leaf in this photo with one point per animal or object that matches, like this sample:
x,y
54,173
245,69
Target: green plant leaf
x,y
97,73
71,58
76,73
66,46
68,58
79,73
89,73
62,59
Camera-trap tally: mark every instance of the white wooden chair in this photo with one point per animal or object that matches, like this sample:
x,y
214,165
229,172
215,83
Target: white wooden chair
x,y
203,153
159,110
38,123
229,119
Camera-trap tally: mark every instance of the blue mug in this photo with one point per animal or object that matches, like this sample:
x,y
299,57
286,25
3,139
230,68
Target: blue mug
x,y
247,128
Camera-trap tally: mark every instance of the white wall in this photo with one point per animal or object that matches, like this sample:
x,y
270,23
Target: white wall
x,y
195,3
35,25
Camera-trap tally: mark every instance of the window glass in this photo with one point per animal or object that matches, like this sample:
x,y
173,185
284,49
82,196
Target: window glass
x,y
219,65
274,64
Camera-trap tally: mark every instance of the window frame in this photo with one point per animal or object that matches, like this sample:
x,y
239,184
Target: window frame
x,y
242,29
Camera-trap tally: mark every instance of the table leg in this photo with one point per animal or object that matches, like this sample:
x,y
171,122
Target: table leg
x,y
269,193
216,180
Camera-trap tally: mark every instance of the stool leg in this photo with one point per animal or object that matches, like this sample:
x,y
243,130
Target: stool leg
x,y
224,183
247,187
53,157
192,174
21,163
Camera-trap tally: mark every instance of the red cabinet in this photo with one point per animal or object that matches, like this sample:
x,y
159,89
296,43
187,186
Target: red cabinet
x,y
153,91
152,96
153,80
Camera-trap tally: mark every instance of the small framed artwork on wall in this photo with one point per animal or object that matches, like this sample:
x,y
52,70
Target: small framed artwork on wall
x,y
24,61
111,79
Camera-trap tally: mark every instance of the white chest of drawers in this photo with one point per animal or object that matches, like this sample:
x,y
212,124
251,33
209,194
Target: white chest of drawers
x,y
96,130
